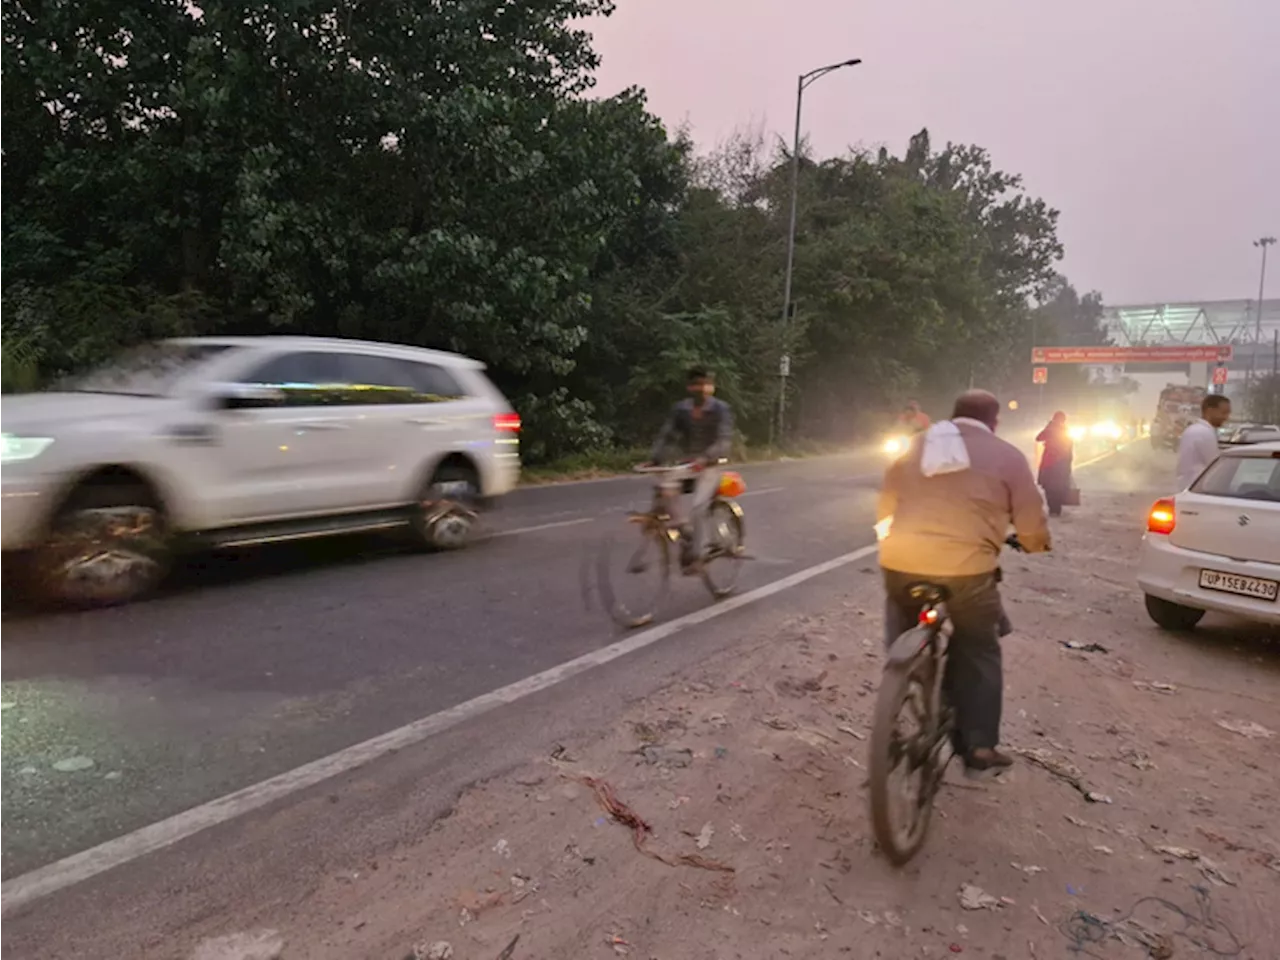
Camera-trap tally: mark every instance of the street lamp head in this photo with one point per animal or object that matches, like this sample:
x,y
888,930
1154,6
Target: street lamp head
x,y
852,63
1264,242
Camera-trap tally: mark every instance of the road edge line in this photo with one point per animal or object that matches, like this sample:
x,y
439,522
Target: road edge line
x,y
78,867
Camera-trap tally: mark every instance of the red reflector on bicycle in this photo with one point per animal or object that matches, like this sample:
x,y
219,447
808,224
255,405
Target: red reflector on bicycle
x,y
929,617
731,484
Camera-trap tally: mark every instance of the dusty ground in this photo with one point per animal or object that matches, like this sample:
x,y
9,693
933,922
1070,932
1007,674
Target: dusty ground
x,y
758,762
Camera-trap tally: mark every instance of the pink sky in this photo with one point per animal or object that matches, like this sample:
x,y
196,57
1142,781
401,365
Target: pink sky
x,y
1153,126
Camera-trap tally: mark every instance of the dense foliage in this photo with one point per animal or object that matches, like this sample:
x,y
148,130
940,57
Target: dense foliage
x,y
438,174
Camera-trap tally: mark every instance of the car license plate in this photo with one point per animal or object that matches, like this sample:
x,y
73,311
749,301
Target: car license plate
x,y
1241,586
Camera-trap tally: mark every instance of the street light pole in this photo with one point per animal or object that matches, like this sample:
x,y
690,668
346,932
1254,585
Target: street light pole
x,y
784,365
1262,242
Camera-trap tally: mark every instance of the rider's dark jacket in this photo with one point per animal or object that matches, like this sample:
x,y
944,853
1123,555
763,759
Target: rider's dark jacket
x,y
709,435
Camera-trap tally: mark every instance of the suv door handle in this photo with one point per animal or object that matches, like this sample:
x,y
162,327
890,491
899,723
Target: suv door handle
x,y
323,425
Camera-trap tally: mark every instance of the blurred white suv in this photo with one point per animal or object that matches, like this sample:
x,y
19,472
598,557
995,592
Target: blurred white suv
x,y
224,441
1216,546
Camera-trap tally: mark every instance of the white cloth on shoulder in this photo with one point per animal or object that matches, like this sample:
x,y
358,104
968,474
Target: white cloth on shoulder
x,y
944,450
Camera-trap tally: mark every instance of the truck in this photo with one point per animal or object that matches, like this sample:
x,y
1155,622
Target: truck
x,y
1178,406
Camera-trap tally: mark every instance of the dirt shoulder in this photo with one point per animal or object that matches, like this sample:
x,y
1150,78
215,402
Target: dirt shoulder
x,y
751,774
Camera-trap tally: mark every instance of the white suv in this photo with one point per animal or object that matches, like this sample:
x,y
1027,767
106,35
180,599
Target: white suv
x,y
226,441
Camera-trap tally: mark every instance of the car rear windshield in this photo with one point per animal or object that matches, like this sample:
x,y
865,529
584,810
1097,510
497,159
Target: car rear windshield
x,y
150,370
1248,478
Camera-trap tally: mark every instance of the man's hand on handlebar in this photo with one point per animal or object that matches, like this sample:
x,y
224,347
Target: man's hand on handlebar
x,y
1013,543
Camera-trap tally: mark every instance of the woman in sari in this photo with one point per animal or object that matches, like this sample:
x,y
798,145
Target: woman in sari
x,y
1055,462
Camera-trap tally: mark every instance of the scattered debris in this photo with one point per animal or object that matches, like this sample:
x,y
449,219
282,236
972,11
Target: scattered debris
x,y
1066,771
440,950
856,734
1181,853
1212,872
1030,870
704,836
677,803
502,849
74,764
975,898
249,945
1247,728
560,753
1094,797
1084,647
1101,848
1039,916
1155,686
778,723
666,756
640,830
509,949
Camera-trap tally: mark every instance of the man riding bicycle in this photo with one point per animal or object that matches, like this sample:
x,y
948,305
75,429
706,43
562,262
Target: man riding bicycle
x,y
701,427
948,505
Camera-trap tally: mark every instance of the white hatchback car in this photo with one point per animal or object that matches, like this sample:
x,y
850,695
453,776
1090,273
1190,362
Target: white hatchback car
x,y
226,441
1216,546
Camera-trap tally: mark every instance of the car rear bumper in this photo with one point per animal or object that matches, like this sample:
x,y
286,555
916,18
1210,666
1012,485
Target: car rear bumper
x,y
1172,573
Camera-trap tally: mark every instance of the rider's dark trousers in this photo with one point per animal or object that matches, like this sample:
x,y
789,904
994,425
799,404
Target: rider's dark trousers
x,y
974,680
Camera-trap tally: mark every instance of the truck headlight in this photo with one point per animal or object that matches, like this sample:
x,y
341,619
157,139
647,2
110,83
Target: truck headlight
x,y
23,448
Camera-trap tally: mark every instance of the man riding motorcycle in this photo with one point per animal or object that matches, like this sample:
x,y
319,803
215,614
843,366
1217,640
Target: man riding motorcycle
x,y
947,506
913,420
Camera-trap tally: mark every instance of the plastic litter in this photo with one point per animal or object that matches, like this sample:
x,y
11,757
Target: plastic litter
x,y
975,898
1247,728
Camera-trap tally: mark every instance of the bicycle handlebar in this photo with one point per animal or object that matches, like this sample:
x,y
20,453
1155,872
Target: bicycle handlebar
x,y
1014,544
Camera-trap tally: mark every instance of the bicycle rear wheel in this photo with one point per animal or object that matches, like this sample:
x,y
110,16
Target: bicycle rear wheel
x,y
722,560
633,590
905,759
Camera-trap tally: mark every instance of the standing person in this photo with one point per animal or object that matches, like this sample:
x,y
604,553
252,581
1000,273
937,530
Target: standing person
x,y
1198,446
701,428
1055,462
948,505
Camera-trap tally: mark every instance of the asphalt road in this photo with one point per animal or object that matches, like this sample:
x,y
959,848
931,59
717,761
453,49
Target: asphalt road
x,y
254,664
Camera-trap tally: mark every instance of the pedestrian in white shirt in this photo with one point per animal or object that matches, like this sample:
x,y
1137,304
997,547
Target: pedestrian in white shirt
x,y
1198,446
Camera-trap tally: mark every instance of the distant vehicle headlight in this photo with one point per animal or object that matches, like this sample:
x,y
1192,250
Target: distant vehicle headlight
x,y
16,449
1108,429
895,445
1076,433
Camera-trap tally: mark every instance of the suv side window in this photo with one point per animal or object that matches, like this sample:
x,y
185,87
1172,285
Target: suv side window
x,y
307,379
434,383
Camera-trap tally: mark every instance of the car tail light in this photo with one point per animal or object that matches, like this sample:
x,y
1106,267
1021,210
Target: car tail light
x,y
506,422
1163,517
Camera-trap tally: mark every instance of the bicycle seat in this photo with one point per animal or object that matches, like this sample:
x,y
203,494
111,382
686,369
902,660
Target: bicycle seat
x,y
928,593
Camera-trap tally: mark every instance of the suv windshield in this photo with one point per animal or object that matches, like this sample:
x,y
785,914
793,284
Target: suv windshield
x,y
147,371
1249,478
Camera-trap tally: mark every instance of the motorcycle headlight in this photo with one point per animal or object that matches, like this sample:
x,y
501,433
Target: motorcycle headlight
x,y
16,449
894,445
1076,433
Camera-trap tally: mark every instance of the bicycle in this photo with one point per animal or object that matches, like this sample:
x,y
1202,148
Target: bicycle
x,y
722,555
915,664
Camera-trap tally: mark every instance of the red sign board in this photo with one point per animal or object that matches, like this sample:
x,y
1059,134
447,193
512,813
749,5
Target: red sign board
x,y
1100,355
1039,374
1219,376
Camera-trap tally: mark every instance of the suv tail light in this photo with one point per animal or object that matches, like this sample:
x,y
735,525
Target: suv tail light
x,y
506,422
1163,517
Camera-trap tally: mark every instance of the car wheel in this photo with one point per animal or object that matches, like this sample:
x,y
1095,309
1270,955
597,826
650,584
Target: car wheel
x,y
107,545
1173,616
444,515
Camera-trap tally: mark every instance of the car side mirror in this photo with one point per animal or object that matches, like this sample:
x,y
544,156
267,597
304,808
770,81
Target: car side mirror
x,y
245,396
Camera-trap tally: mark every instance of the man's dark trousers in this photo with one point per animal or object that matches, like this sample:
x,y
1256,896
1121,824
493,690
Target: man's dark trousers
x,y
974,679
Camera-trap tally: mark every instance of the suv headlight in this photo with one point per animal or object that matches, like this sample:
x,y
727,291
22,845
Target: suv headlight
x,y
23,448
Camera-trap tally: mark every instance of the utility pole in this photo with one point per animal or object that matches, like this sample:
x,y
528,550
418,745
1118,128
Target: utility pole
x,y
1262,242
784,363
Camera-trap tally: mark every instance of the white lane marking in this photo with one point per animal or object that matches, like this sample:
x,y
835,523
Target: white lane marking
x,y
761,491
28,887
540,526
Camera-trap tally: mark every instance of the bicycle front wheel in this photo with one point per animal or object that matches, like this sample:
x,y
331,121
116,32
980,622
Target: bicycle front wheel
x,y
633,582
904,760
722,560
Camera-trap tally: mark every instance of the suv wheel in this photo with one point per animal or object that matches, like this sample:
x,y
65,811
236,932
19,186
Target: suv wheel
x,y
107,545
444,516
1173,616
